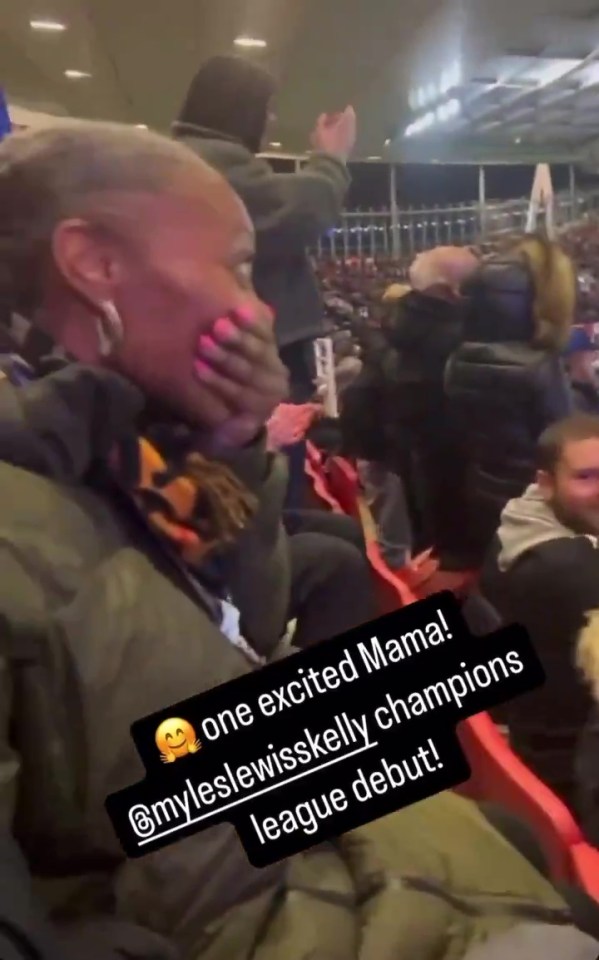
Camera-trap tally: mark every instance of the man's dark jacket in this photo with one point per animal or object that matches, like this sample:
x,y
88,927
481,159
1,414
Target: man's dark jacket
x,y
397,409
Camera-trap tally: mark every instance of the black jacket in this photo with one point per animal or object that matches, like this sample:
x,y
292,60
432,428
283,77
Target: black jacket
x,y
290,212
540,574
502,393
585,396
24,934
423,331
396,413
400,390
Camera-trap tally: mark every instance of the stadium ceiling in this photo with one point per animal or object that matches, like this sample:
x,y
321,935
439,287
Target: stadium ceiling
x,y
131,60
538,107
142,54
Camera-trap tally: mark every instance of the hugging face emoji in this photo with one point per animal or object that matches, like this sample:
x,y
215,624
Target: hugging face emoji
x,y
176,738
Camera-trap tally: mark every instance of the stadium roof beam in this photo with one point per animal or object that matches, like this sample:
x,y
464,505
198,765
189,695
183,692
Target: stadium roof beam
x,y
502,109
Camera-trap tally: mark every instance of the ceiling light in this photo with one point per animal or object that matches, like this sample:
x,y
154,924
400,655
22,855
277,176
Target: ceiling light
x,y
374,158
518,140
388,142
76,74
52,26
276,145
249,42
141,126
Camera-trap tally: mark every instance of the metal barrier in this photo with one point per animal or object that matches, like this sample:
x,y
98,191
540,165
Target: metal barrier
x,y
372,233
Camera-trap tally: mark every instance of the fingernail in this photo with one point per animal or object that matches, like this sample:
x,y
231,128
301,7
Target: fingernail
x,y
206,344
202,369
246,314
224,329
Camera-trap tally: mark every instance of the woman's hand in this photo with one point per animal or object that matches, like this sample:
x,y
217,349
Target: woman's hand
x,y
238,364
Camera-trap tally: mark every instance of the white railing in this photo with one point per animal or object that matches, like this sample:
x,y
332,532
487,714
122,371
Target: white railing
x,y
370,233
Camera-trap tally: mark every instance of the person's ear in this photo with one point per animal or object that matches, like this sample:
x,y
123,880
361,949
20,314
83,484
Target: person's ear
x,y
545,484
87,262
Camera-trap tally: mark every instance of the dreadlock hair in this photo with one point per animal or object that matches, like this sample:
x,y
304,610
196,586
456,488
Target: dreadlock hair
x,y
52,174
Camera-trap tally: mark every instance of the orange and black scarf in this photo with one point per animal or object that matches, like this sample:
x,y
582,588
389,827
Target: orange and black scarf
x,y
196,507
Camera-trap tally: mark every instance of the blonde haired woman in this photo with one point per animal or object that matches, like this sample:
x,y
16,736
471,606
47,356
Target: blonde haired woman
x,y
506,382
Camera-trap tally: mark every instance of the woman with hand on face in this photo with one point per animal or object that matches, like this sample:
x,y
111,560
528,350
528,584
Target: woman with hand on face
x,y
135,258
141,511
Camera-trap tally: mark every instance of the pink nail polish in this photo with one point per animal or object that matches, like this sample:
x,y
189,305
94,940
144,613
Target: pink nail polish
x,y
224,329
246,314
202,369
206,343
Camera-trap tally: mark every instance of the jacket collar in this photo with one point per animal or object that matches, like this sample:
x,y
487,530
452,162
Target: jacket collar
x,y
64,423
183,129
528,522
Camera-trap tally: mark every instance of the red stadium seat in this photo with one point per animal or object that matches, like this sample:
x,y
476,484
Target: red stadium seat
x,y
344,485
460,582
498,775
392,592
320,487
314,455
585,864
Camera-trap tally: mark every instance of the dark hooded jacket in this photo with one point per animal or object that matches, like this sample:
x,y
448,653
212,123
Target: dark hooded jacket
x,y
503,391
405,364
100,627
223,121
398,407
423,331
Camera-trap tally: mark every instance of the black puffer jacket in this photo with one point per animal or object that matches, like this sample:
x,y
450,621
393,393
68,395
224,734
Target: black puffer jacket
x,y
502,391
423,332
400,390
398,407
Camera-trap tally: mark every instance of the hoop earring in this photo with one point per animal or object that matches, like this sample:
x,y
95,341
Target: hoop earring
x,y
109,327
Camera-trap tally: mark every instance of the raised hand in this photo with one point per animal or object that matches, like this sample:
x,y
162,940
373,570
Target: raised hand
x,y
336,133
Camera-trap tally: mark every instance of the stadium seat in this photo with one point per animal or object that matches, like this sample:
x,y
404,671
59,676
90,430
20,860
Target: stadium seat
x,y
314,455
460,582
343,485
320,488
392,591
585,868
499,776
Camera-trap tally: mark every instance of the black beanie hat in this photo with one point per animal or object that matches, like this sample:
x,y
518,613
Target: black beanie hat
x,y
230,95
